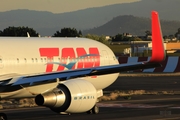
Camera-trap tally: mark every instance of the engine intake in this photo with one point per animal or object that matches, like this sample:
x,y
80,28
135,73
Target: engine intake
x,y
55,98
72,96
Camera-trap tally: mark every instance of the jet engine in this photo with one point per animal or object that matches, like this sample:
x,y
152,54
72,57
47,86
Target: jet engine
x,y
71,96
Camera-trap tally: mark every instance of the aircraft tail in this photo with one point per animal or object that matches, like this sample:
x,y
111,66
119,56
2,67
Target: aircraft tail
x,y
158,52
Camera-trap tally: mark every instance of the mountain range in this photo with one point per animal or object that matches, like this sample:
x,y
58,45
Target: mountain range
x,y
47,23
132,25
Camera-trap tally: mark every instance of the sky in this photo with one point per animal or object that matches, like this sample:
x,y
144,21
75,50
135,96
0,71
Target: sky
x,y
56,6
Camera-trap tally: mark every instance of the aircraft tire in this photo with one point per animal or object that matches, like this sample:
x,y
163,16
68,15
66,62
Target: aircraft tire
x,y
95,109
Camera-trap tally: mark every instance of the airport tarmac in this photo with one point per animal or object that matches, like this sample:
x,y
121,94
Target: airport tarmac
x,y
151,82
149,109
140,107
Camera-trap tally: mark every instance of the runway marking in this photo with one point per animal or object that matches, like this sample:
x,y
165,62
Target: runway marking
x,y
128,105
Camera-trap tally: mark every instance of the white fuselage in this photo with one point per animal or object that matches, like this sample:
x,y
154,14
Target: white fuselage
x,y
28,56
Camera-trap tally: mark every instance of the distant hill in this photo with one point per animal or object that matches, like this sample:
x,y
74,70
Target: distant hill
x,y
47,23
133,25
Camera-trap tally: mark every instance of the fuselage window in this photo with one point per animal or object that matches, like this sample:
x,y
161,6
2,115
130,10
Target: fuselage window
x,y
41,59
25,60
32,60
36,59
17,60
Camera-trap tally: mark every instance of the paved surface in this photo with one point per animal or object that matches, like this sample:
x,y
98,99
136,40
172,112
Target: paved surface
x,y
146,83
140,107
149,109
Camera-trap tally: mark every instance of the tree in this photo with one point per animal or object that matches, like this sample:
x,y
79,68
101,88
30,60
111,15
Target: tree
x,y
101,38
68,32
178,32
148,33
18,32
165,37
118,37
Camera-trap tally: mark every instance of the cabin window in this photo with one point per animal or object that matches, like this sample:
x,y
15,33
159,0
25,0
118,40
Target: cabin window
x,y
45,59
25,60
17,60
36,59
32,60
41,59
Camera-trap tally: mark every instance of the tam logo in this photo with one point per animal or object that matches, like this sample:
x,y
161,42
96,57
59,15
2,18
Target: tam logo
x,y
70,58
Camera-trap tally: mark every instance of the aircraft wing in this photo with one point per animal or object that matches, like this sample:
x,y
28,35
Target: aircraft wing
x,y
69,74
158,55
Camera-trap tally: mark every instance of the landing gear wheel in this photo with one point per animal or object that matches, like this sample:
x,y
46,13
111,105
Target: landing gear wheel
x,y
3,116
95,110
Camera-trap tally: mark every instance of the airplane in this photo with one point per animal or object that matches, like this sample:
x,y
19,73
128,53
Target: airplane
x,y
64,74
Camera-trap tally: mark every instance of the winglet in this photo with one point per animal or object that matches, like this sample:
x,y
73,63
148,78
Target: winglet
x,y
158,52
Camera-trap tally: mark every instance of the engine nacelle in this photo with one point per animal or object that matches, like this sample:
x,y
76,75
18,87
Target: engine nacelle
x,y
72,96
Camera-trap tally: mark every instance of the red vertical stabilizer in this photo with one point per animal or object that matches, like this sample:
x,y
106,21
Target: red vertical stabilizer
x,y
158,52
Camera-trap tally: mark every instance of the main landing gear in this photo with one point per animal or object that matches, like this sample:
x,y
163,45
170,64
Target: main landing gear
x,y
94,110
3,116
